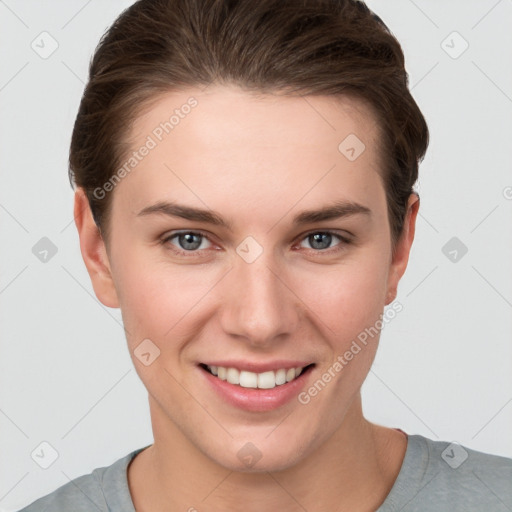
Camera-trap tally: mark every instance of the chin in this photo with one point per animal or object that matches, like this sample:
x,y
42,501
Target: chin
x,y
269,463
260,455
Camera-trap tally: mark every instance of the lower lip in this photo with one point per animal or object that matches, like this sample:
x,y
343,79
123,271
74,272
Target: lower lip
x,y
254,399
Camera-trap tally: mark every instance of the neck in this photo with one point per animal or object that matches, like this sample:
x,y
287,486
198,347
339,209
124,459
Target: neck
x,y
353,470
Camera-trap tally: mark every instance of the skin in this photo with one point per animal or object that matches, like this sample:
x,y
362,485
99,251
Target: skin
x,y
257,161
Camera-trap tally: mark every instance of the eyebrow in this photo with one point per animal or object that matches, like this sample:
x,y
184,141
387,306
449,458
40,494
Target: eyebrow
x,y
336,210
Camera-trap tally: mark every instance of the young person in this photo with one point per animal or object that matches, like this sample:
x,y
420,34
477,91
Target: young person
x,y
244,179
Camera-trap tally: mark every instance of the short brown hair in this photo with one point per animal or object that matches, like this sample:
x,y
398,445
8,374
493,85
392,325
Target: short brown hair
x,y
307,47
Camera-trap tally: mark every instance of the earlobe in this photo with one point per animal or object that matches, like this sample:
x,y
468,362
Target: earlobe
x,y
94,252
403,248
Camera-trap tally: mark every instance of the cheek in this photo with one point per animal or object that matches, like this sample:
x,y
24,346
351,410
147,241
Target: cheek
x,y
348,298
158,298
348,302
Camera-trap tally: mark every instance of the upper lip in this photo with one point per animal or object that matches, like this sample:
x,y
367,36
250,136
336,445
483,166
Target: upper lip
x,y
251,366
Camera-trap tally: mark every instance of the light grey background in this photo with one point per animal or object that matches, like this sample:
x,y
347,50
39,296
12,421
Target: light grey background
x,y
444,365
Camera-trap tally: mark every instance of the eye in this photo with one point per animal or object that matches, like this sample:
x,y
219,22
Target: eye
x,y
190,243
321,240
187,241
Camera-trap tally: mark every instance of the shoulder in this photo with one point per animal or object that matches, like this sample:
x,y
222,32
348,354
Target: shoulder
x,y
81,494
103,490
439,475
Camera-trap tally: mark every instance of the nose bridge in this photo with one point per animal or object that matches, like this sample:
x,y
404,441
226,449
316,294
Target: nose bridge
x,y
257,304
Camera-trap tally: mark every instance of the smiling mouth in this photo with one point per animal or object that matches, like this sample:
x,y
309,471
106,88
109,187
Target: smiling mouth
x,y
265,380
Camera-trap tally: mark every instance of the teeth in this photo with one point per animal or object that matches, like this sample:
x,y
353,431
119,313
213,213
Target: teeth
x,y
265,380
233,376
280,377
248,379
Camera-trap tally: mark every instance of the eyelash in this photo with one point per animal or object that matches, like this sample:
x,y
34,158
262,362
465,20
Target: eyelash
x,y
190,254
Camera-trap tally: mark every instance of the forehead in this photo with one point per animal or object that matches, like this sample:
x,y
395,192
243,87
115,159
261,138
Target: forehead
x,y
224,143
310,120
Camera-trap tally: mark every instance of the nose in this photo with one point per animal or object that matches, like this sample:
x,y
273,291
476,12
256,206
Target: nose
x,y
258,305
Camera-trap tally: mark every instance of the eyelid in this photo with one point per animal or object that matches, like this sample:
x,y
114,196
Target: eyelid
x,y
342,234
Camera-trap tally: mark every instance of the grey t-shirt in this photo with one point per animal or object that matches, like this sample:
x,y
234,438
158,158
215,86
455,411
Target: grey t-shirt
x,y
435,476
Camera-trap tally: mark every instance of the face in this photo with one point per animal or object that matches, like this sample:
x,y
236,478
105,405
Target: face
x,y
217,260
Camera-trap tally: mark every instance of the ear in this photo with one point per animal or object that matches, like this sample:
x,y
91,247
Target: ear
x,y
403,247
94,252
